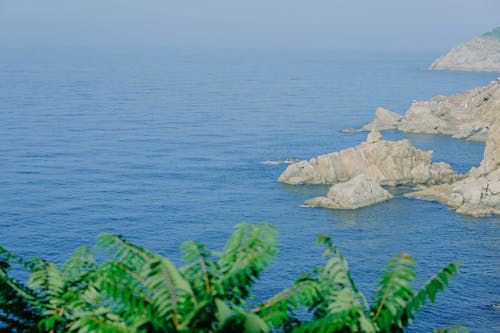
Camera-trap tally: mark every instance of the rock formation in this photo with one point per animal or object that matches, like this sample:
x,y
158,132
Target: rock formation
x,y
358,192
479,193
464,116
386,162
473,115
480,54
384,120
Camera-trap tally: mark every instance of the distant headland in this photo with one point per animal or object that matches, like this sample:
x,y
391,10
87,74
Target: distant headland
x,y
481,54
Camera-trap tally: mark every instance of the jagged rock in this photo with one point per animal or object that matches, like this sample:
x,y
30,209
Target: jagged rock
x,y
471,196
358,192
491,158
479,193
386,162
464,116
479,54
439,193
384,120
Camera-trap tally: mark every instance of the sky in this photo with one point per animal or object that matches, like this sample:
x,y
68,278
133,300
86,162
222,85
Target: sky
x,y
341,24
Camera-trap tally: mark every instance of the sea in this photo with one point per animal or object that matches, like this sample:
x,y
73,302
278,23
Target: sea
x,y
165,145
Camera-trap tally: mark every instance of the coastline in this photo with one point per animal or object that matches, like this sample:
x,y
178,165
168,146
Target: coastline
x,y
473,115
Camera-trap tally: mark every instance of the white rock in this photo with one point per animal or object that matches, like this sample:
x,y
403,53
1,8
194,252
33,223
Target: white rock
x,y
374,136
467,116
479,193
384,120
358,192
386,162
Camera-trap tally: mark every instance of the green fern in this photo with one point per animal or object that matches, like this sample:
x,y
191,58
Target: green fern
x,y
393,293
16,312
339,306
428,291
136,290
278,311
246,253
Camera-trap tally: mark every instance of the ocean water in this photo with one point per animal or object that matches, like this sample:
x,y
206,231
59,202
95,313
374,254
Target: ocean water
x,y
164,146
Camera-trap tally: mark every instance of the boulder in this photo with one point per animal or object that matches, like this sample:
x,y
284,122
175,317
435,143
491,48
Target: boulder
x,y
358,192
386,162
374,136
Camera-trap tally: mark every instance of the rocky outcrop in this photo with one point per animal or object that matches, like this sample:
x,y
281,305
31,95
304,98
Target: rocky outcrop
x,y
473,115
384,120
474,195
358,192
479,193
359,171
491,158
386,162
464,116
480,54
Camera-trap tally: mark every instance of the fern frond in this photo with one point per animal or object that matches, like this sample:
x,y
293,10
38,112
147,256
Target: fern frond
x,y
81,262
436,283
340,306
123,289
336,272
48,280
7,258
124,252
305,292
199,271
235,319
394,291
247,252
17,313
102,320
171,293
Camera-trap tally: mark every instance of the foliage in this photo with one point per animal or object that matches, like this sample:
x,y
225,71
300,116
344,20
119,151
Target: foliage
x,y
16,312
338,306
495,34
136,290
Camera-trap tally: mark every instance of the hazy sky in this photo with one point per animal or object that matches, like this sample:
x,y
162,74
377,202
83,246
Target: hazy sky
x,y
395,24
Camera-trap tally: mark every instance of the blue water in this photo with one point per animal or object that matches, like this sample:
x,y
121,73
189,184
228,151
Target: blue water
x,y
163,146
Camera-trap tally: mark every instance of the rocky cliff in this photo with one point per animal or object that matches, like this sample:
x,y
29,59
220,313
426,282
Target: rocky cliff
x,y
479,193
480,54
473,115
466,116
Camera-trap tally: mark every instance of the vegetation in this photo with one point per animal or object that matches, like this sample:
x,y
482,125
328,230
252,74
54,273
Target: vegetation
x,y
495,34
136,290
